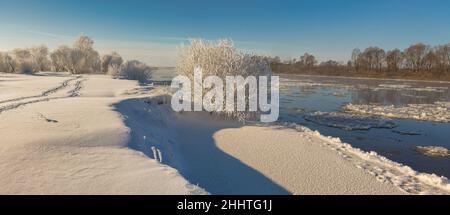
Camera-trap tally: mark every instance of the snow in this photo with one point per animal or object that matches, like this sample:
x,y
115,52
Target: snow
x,y
71,141
433,151
226,157
349,122
385,170
436,112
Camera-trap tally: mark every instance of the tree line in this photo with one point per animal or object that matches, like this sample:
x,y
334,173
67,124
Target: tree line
x,y
80,58
416,61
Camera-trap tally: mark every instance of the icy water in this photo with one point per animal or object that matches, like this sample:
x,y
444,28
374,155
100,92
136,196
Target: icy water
x,y
302,97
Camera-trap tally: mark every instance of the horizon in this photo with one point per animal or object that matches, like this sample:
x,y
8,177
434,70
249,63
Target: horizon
x,y
151,31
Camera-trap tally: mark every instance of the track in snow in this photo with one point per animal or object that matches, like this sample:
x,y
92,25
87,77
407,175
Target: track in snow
x,y
48,92
74,92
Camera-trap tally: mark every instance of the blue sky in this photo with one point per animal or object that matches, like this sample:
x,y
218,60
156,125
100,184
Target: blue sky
x,y
151,30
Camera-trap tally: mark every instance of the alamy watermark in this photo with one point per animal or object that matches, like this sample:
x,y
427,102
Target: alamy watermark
x,y
249,94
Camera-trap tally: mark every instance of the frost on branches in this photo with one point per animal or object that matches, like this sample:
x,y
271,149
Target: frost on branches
x,y
222,59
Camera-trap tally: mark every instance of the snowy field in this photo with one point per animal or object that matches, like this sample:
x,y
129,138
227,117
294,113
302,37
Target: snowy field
x,y
92,134
71,141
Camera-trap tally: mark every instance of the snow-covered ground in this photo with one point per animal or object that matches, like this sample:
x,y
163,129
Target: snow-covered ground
x,y
437,112
95,135
71,141
226,157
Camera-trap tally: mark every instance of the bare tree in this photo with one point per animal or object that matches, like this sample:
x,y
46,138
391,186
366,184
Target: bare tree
x,y
308,60
430,61
414,56
443,57
356,54
329,63
394,60
373,58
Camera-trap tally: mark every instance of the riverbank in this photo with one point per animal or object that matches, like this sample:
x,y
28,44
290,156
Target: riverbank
x,y
226,157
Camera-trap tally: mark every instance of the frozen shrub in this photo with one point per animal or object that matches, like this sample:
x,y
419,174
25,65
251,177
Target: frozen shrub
x,y
135,70
221,59
111,64
23,61
26,67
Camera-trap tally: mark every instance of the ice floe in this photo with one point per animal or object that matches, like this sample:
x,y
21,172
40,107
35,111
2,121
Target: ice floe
x,y
433,151
349,122
436,112
410,88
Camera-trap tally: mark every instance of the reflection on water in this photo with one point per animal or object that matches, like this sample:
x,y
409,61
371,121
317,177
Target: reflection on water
x,y
397,139
302,96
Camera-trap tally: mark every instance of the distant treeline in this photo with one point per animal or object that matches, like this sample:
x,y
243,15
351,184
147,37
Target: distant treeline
x,y
80,58
419,61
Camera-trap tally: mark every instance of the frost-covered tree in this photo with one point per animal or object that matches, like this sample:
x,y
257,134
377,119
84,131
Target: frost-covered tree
x,y
85,58
111,63
135,70
7,63
61,59
221,59
83,43
39,55
23,61
105,60
82,58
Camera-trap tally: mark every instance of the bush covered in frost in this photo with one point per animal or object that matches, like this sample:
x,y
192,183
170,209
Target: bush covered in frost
x,y
135,70
221,59
111,64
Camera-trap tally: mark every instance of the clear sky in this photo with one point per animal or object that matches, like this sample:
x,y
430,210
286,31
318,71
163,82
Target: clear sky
x,y
150,30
